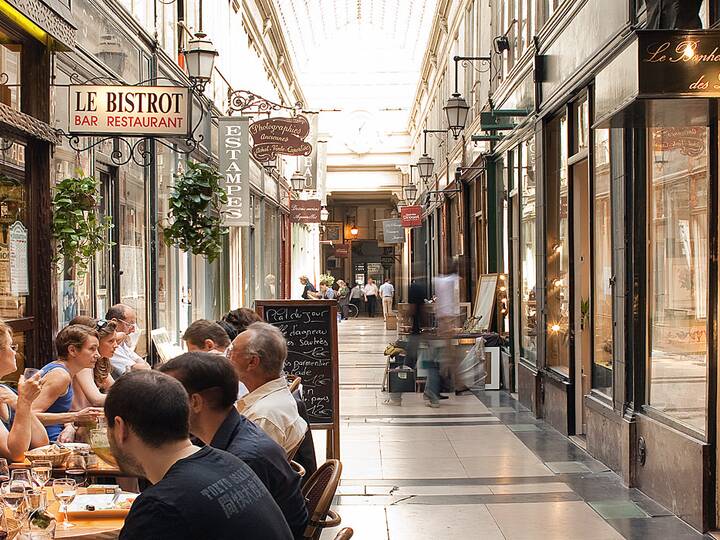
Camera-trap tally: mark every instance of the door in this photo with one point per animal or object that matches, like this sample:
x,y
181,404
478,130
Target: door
x,y
581,289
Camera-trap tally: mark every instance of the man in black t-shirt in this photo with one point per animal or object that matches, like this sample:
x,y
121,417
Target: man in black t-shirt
x,y
211,382
196,492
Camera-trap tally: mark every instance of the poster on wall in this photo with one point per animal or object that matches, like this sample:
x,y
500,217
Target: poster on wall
x,y
234,157
18,246
393,231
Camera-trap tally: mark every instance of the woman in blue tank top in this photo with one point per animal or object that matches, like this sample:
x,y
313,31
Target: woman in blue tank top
x,y
20,429
77,348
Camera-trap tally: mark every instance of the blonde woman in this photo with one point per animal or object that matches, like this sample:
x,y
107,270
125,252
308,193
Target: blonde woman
x,y
20,429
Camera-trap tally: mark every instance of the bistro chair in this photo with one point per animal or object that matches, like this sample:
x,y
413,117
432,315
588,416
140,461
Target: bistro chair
x,y
294,383
297,468
319,492
344,534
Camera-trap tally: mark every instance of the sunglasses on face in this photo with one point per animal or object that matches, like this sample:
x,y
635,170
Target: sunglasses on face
x,y
102,323
14,347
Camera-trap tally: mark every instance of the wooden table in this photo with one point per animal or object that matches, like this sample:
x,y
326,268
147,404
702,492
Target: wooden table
x,y
97,529
103,469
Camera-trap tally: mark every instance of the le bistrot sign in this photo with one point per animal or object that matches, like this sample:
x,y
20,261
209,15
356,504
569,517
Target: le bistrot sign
x,y
145,111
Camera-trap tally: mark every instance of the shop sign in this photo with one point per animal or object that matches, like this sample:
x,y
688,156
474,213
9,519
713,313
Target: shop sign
x,y
144,111
18,248
307,211
234,158
393,231
411,216
342,251
387,261
280,136
679,63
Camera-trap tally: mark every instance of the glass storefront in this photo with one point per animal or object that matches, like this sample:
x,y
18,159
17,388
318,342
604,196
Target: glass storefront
x,y
558,247
602,266
528,252
678,260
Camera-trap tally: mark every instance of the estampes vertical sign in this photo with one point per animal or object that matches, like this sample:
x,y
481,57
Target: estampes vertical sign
x,y
234,157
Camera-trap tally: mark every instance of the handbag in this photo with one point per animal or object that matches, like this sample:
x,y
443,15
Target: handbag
x,y
471,371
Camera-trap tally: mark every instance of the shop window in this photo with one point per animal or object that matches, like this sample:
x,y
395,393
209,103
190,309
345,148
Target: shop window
x,y
13,256
558,247
528,252
677,287
10,80
271,281
167,256
581,126
602,266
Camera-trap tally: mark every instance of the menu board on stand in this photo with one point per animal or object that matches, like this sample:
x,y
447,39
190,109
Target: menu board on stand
x,y
310,327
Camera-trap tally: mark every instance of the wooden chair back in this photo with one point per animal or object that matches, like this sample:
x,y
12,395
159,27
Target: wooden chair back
x,y
297,468
344,534
294,383
319,492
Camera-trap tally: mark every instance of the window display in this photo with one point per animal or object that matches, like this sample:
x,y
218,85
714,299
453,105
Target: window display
x,y
678,260
528,252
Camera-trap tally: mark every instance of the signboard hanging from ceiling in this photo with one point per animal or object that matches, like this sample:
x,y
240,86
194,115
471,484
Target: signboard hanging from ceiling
x,y
411,216
280,136
305,211
393,231
145,111
234,158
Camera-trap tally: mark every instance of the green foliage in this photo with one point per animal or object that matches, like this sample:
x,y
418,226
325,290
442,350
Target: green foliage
x,y
328,278
196,204
77,228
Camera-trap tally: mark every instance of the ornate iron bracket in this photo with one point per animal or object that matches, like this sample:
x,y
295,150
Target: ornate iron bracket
x,y
244,101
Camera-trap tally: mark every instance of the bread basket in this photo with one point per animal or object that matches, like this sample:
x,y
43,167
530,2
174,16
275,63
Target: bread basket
x,y
52,453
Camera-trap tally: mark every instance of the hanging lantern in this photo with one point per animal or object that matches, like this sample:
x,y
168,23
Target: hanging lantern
x,y
457,113
425,166
200,59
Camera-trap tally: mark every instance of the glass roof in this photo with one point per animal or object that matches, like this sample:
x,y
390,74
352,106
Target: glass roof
x,y
358,54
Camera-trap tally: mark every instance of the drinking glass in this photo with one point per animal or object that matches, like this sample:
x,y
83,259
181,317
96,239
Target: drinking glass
x,y
4,470
29,372
75,469
65,490
13,495
41,471
21,477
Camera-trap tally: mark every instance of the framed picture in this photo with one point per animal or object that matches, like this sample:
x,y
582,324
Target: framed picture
x,y
333,231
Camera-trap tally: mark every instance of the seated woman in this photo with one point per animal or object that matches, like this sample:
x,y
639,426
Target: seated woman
x,y
77,348
91,385
20,429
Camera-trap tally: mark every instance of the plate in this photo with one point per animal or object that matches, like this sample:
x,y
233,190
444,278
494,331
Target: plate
x,y
103,505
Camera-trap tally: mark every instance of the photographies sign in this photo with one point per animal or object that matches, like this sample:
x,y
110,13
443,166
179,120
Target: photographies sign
x,y
162,111
305,211
411,216
280,136
234,157
677,62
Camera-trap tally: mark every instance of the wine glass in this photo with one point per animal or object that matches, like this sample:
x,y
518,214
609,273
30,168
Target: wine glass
x,y
75,469
21,477
65,490
13,495
29,372
41,471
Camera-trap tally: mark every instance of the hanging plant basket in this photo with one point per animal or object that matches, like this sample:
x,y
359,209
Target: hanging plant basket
x,y
195,215
77,227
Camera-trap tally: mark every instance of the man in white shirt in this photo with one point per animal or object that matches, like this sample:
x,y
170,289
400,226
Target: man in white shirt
x,y
370,291
258,355
387,292
125,358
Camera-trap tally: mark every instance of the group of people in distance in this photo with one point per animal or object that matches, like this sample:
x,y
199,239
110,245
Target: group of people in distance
x,y
212,430
339,290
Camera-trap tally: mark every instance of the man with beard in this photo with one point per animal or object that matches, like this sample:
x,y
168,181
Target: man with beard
x,y
211,383
196,492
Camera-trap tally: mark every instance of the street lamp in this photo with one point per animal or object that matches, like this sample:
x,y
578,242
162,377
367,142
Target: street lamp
x,y
200,59
425,166
297,181
411,193
457,108
324,214
354,231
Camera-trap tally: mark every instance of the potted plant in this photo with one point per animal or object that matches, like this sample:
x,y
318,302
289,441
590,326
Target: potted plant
x,y
195,214
77,227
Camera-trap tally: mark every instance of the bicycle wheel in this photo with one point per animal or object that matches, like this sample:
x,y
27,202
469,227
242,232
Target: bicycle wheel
x,y
352,311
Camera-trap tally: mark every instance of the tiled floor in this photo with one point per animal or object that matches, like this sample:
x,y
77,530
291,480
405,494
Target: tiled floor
x,y
479,466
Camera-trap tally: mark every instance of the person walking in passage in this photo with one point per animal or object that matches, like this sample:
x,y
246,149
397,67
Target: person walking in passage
x,y
370,291
196,492
356,295
343,297
387,292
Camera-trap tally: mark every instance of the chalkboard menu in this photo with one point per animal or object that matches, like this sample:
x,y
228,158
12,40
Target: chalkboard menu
x,y
310,327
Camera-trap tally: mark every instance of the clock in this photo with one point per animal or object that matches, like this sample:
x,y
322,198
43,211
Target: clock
x,y
361,132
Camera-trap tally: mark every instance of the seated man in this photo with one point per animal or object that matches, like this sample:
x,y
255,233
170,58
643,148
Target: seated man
x,y
258,355
196,492
206,336
125,358
211,382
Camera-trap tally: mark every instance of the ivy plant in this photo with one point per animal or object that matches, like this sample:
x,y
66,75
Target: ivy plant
x,y
195,214
77,227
